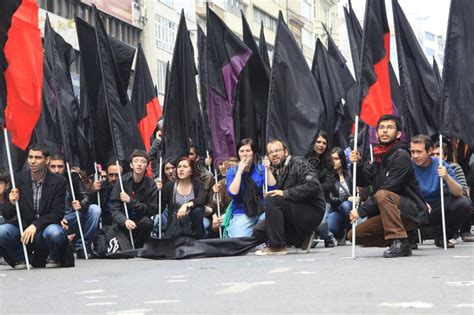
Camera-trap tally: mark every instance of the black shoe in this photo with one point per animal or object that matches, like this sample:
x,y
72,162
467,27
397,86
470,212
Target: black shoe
x,y
439,243
398,248
81,254
329,243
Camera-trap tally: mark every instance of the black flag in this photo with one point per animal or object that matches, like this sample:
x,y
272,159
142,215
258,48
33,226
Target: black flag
x,y
437,72
262,45
458,70
60,106
295,106
182,105
203,81
252,95
421,93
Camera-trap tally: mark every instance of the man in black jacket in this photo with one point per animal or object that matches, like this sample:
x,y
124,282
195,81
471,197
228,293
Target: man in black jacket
x,y
140,195
41,197
397,206
89,214
293,210
105,188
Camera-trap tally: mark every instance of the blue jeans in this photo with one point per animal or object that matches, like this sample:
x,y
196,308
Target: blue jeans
x,y
164,221
89,222
242,225
338,219
52,238
323,229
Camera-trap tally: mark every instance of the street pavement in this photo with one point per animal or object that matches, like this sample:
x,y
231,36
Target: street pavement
x,y
325,281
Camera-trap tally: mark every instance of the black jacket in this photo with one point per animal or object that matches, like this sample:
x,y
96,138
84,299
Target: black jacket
x,y
144,203
335,198
80,190
302,190
394,173
167,196
104,192
325,174
52,202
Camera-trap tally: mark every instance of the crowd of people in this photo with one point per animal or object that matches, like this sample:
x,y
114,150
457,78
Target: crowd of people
x,y
281,200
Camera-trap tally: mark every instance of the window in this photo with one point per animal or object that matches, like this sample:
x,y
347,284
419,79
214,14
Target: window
x,y
161,79
307,9
167,2
234,6
268,21
429,36
220,3
430,52
165,34
307,38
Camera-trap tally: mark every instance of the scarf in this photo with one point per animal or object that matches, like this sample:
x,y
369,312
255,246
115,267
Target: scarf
x,y
253,205
380,150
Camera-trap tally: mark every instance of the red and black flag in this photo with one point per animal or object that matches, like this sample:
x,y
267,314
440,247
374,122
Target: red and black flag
x,y
227,55
374,80
182,105
250,110
144,99
262,45
21,69
418,82
295,106
458,69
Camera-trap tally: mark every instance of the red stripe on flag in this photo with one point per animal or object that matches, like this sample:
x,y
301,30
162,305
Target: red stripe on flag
x,y
378,101
148,124
24,75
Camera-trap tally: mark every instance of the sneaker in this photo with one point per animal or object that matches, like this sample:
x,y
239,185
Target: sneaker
x,y
306,246
342,241
439,243
50,263
398,248
268,251
329,243
20,265
467,237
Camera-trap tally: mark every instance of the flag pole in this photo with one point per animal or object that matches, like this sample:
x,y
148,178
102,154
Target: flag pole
x,y
218,201
208,156
77,212
124,203
371,153
265,186
443,218
354,186
160,176
17,206
96,178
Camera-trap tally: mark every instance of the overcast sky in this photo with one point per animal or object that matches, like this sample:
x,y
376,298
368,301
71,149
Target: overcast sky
x,y
438,9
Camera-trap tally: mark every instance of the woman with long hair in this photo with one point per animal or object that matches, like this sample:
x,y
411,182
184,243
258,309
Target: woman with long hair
x,y
320,159
244,184
341,198
184,198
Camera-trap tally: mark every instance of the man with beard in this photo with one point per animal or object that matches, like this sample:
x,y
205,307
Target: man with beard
x,y
105,189
141,196
396,206
41,196
89,214
293,210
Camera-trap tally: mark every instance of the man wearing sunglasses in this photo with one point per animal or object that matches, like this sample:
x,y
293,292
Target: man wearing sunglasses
x,y
105,188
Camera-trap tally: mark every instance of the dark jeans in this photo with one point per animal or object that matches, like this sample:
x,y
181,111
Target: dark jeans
x,y
89,223
285,224
338,219
456,211
142,232
52,239
197,215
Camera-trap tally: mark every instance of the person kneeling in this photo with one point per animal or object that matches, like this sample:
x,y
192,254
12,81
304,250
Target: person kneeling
x,y
295,209
140,195
397,206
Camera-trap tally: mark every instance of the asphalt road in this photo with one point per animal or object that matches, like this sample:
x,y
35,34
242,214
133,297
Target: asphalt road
x,y
325,281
